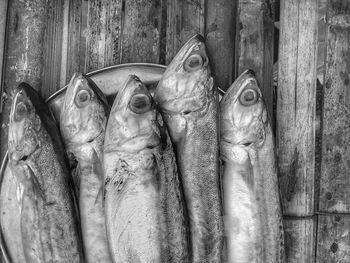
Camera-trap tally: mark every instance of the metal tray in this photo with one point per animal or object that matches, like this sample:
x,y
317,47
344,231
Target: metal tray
x,y
110,81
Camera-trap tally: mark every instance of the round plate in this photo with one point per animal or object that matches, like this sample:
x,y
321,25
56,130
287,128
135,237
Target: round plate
x,y
110,81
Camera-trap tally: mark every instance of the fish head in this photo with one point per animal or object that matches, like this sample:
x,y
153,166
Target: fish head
x,y
187,83
243,112
84,112
24,127
132,124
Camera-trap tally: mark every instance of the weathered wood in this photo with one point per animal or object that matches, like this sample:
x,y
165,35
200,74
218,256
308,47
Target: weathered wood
x,y
3,19
184,19
142,31
254,41
296,103
333,239
335,167
24,56
299,240
104,33
220,24
52,47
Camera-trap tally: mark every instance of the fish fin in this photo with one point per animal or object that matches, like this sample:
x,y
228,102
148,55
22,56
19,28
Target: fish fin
x,y
98,169
35,183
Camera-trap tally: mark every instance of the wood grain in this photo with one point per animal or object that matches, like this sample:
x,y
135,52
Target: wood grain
x,y
3,19
220,29
254,41
333,239
52,47
296,104
24,57
104,33
184,19
335,163
299,240
142,31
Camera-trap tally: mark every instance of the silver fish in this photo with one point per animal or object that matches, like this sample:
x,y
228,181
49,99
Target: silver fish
x,y
253,218
83,122
36,157
188,100
143,200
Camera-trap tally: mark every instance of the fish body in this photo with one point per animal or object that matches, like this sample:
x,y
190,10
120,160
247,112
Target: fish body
x,y
253,217
10,214
83,122
48,218
143,202
188,99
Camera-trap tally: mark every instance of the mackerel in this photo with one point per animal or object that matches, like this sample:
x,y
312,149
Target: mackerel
x,y
83,122
188,99
145,216
253,218
49,226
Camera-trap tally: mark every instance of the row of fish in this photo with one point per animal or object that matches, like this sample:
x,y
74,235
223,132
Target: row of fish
x,y
173,176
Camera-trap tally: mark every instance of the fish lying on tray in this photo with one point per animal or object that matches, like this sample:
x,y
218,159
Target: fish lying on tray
x,y
144,210
48,220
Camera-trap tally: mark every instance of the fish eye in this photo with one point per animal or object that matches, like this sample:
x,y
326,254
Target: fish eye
x,y
140,103
82,98
249,97
21,110
193,63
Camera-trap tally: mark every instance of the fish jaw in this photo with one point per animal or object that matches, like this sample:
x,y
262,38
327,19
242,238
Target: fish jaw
x,y
24,126
243,112
84,113
186,85
132,124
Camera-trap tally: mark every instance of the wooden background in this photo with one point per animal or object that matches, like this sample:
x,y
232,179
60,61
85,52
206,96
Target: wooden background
x,y
304,42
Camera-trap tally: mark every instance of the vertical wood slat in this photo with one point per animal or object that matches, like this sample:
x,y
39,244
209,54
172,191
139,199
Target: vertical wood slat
x,y
24,56
3,19
142,31
52,47
184,19
298,238
220,24
254,42
333,239
335,163
333,231
296,105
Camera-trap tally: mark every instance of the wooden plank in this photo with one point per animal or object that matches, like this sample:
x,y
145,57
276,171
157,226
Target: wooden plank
x,y
220,27
142,31
254,41
335,167
296,99
52,47
104,33
184,19
24,56
299,239
333,239
3,19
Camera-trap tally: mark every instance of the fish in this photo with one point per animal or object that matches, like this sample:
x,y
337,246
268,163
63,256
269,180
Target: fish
x,y
48,219
144,208
83,121
252,206
188,100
